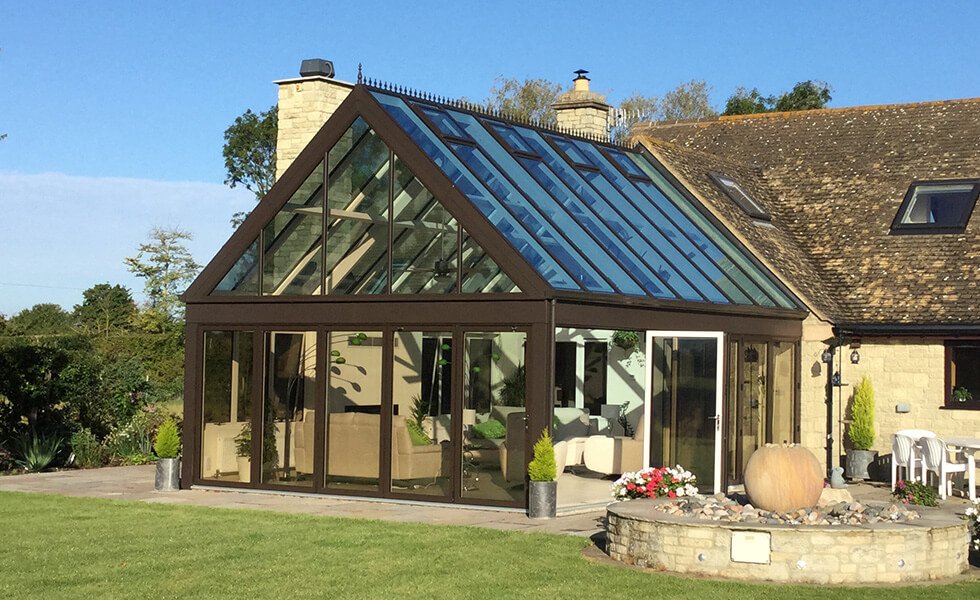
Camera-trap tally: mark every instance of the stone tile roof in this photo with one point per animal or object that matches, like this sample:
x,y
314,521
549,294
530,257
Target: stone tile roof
x,y
833,180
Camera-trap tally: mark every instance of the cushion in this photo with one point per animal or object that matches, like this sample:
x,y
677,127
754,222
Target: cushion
x,y
415,432
490,430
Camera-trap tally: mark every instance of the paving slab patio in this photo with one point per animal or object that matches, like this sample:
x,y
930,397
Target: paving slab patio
x,y
136,483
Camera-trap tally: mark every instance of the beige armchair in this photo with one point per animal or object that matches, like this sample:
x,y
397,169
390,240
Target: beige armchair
x,y
614,455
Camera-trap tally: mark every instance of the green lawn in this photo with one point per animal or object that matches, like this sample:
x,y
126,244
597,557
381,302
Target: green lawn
x,y
58,547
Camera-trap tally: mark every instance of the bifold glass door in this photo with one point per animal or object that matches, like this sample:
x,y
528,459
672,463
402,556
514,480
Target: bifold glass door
x,y
683,411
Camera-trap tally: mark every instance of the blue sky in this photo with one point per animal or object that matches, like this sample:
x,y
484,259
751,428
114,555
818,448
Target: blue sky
x,y
115,110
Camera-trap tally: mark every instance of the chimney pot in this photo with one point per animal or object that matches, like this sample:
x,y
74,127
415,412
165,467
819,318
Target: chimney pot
x,y
312,67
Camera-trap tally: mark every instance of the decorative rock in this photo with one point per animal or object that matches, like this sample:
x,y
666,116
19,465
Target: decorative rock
x,y
782,478
830,496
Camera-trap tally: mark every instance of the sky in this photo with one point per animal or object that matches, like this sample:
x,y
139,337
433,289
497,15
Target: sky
x,y
115,111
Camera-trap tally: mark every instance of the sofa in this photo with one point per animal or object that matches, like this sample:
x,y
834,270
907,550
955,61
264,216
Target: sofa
x,y
353,441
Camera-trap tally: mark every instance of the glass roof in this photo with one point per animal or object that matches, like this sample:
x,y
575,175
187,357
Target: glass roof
x,y
587,216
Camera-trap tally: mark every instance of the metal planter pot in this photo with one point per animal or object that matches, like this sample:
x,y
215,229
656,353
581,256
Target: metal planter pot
x,y
858,461
167,475
542,499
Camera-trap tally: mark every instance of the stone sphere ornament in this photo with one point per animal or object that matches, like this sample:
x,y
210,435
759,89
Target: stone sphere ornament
x,y
783,477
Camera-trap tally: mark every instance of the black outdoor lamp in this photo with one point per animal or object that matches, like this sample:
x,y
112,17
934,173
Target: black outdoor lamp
x,y
855,357
827,356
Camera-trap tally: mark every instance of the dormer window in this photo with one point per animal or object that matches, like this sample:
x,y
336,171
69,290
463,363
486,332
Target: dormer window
x,y
937,206
738,195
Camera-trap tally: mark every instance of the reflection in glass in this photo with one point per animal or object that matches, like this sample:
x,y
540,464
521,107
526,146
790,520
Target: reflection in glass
x,y
493,460
783,409
684,405
753,403
291,263
425,239
481,274
288,408
243,277
226,404
421,427
354,409
357,197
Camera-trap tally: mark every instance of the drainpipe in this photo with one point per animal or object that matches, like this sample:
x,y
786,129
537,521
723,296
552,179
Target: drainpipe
x,y
828,359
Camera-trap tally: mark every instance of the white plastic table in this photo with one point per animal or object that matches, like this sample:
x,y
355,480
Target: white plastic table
x,y
969,446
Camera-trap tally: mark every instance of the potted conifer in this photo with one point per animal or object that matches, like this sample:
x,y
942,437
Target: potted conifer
x,y
862,431
543,471
167,448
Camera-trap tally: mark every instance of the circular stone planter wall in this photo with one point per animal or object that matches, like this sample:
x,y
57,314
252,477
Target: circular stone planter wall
x,y
935,546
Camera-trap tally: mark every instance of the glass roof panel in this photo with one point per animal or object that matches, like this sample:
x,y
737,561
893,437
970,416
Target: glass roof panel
x,y
568,147
511,137
541,229
734,259
530,248
624,219
689,239
243,277
446,125
578,243
601,220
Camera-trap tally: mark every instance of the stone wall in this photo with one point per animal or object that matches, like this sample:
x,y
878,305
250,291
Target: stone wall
x,y
305,104
905,371
891,553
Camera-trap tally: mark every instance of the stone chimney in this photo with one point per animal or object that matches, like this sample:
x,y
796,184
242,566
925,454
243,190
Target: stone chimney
x,y
305,104
583,111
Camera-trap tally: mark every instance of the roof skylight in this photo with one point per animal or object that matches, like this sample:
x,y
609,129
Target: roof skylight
x,y
735,191
937,206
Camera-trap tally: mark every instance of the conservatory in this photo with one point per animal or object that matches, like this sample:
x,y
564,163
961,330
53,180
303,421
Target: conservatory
x,y
428,287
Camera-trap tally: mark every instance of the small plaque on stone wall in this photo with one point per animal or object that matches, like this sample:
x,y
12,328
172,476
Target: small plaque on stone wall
x,y
750,547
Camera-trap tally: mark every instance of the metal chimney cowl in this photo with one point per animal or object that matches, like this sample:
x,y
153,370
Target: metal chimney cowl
x,y
313,67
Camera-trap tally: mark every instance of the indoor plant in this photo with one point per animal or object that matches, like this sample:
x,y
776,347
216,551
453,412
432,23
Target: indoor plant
x,y
243,452
167,448
543,471
861,431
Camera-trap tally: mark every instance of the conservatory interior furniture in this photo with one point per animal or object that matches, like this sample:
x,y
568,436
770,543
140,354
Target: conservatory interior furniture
x,y
354,443
614,455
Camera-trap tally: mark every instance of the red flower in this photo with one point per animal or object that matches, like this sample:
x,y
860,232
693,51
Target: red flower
x,y
631,486
672,494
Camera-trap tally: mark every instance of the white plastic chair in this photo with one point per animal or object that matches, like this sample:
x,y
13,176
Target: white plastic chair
x,y
935,458
916,434
904,456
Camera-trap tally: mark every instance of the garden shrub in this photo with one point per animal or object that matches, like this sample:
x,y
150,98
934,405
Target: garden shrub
x,y
6,460
543,466
87,449
168,440
862,429
915,492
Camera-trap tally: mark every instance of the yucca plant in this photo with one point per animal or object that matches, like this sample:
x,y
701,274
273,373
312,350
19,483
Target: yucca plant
x,y
37,452
168,440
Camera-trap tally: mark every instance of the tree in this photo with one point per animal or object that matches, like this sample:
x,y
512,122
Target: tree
x,y
41,319
250,153
635,109
744,102
105,308
168,267
687,101
805,95
530,99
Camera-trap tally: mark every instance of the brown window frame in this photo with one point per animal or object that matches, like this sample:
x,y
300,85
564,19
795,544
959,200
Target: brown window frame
x,y
949,401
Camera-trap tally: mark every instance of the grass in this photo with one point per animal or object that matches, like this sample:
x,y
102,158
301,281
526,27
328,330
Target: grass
x,y
59,547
